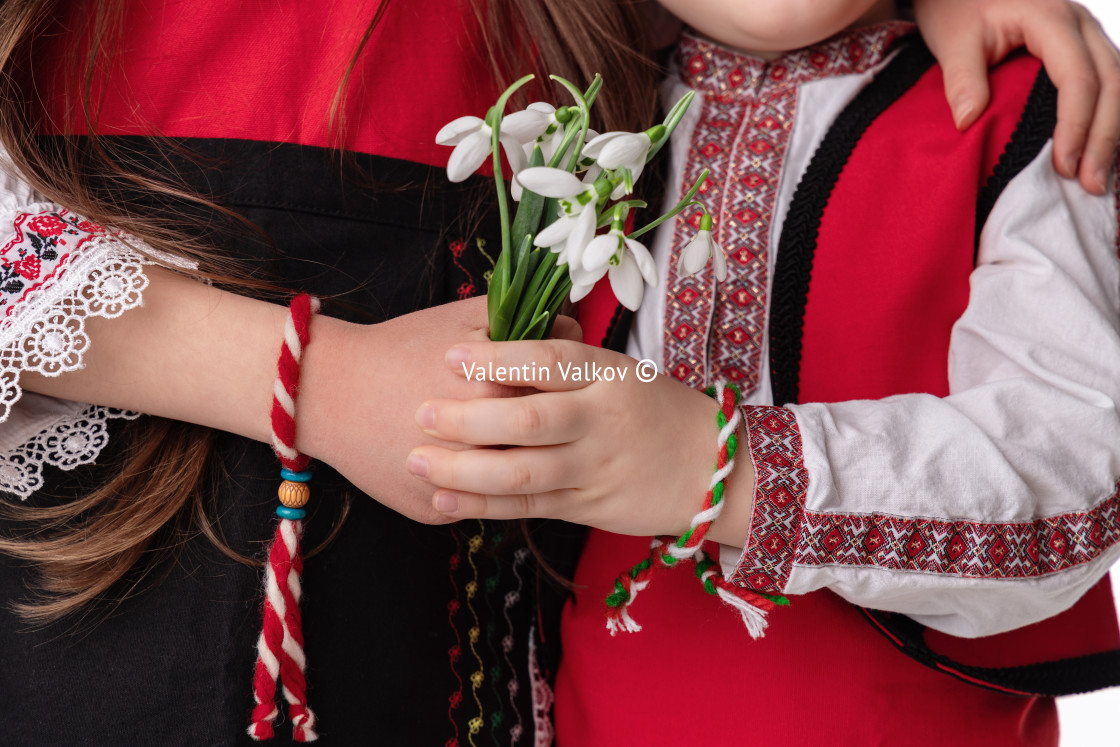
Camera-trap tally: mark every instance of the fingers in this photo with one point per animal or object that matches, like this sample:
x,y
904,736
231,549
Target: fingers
x,y
1070,66
1104,133
534,420
567,328
548,365
964,66
509,472
455,504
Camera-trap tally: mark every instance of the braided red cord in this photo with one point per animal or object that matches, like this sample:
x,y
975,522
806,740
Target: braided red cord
x,y
280,654
666,552
297,333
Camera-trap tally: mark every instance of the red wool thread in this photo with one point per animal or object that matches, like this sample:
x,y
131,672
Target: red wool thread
x,y
280,656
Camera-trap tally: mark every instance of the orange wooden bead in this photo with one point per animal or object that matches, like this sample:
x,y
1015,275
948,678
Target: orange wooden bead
x,y
294,494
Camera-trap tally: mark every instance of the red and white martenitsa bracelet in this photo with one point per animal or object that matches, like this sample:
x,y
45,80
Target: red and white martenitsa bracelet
x,y
666,552
280,656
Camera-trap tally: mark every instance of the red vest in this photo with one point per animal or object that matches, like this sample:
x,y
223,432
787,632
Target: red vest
x,y
881,286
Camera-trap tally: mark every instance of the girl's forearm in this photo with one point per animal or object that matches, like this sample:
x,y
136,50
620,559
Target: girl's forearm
x,y
191,352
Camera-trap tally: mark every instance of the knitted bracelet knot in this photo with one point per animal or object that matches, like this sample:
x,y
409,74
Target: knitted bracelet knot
x,y
666,552
280,654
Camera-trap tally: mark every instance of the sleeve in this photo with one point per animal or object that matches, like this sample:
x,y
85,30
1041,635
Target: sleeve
x,y
56,270
991,508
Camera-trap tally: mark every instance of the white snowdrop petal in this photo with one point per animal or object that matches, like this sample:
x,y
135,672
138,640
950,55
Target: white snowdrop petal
x,y
583,231
693,256
515,154
525,126
542,106
468,156
551,182
629,150
555,232
626,282
454,131
599,252
593,146
579,291
644,261
719,262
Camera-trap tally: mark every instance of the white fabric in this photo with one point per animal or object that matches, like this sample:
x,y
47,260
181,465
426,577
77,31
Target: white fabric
x,y
1031,427
45,333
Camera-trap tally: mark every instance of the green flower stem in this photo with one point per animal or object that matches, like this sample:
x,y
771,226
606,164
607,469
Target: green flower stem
x,y
685,202
672,119
494,119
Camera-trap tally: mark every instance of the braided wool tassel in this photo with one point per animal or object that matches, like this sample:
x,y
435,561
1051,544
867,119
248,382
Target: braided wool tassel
x,y
280,646
665,552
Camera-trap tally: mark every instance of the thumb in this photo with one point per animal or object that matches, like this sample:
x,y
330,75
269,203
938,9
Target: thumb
x,y
964,67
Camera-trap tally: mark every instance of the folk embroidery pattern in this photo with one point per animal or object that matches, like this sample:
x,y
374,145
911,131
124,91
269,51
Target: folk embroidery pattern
x,y
741,137
779,497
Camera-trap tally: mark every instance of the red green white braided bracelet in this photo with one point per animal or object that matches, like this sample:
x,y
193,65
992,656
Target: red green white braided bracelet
x,y
666,552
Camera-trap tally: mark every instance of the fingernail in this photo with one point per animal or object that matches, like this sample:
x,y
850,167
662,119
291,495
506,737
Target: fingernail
x,y
962,108
426,416
1100,176
417,465
457,356
447,503
1069,164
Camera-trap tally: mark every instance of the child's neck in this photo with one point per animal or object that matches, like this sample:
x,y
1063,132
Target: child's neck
x,y
884,10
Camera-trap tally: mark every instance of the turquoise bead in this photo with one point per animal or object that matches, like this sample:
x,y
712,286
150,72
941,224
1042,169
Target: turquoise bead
x,y
287,474
295,514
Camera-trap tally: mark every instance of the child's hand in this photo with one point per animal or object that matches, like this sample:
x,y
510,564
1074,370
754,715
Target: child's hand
x,y
362,385
625,455
967,36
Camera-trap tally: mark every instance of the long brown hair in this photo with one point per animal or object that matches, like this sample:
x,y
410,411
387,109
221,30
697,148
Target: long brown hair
x,y
156,495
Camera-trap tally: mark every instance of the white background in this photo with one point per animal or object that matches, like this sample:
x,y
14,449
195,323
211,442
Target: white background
x,y
1094,720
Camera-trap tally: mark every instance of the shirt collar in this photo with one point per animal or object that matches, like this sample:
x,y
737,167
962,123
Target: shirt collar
x,y
710,68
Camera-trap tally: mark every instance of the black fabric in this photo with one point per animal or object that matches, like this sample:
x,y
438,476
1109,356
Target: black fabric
x,y
1071,676
1031,133
390,605
799,232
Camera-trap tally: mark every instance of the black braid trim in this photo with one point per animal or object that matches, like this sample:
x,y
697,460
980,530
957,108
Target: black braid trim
x,y
1035,127
1072,676
617,329
798,241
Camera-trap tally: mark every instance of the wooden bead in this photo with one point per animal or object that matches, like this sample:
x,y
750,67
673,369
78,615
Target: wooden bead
x,y
294,494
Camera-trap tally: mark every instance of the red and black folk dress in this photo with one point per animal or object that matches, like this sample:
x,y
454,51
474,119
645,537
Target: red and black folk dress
x,y
926,328
414,634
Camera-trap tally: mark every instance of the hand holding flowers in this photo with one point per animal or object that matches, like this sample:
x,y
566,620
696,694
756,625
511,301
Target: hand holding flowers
x,y
550,251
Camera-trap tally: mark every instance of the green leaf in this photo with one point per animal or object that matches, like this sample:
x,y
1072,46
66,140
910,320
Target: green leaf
x,y
538,328
499,285
503,316
528,217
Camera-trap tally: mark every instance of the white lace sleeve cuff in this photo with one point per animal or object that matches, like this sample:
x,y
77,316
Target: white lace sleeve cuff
x,y
56,269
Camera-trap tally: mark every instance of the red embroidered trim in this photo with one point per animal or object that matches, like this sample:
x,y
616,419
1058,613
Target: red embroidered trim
x,y
39,253
783,532
779,498
741,137
962,548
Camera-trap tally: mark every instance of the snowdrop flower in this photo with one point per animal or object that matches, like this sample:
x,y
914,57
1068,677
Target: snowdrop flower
x,y
695,254
471,138
618,150
626,261
575,226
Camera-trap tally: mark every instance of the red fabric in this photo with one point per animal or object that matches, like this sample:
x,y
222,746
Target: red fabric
x,y
268,71
878,326
822,675
911,292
